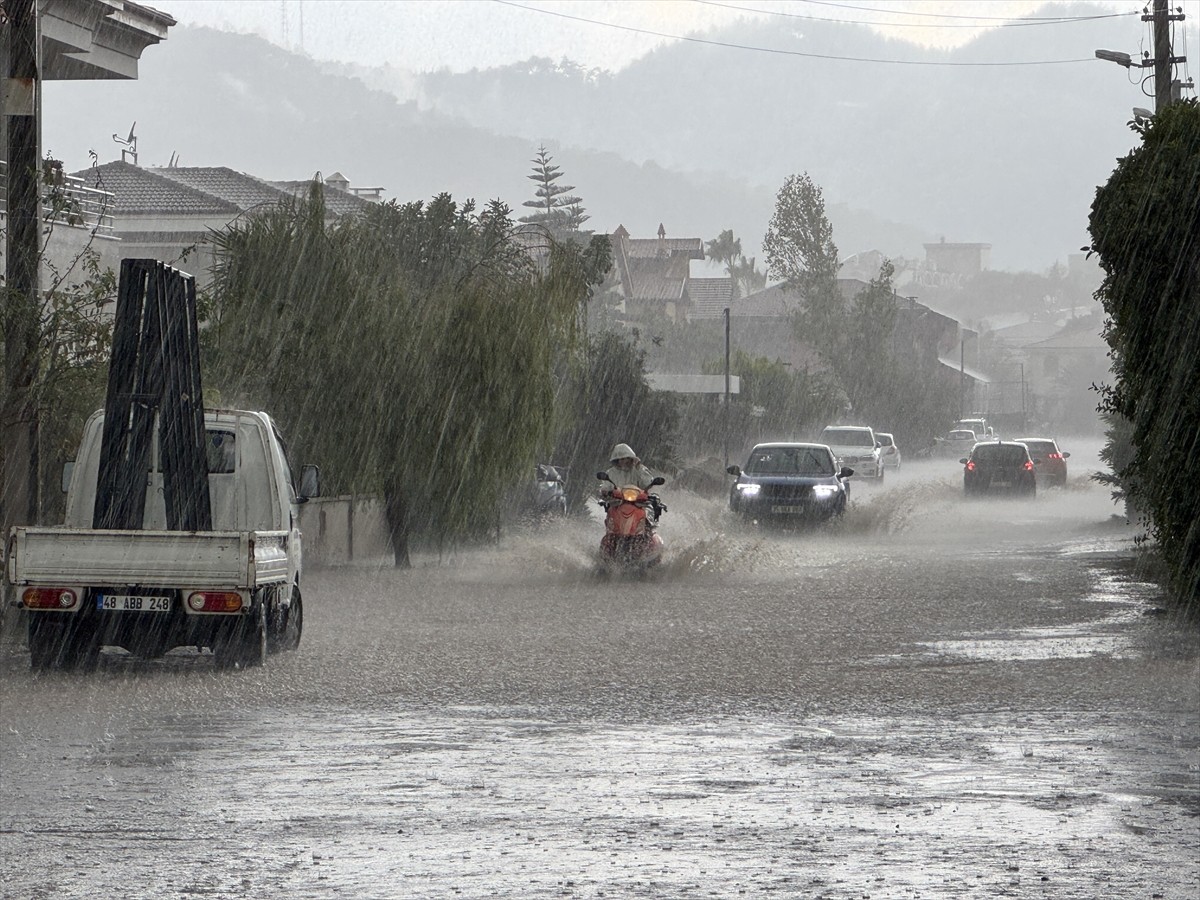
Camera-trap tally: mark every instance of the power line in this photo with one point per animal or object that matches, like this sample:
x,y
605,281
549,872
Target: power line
x,y
1009,22
902,12
751,47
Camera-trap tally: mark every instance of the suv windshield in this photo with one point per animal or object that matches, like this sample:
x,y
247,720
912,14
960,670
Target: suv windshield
x,y
790,461
847,437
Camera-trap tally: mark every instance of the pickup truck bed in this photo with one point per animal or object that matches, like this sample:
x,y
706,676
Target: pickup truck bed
x,y
198,559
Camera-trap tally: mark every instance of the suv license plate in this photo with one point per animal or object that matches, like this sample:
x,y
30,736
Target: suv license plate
x,y
133,602
787,509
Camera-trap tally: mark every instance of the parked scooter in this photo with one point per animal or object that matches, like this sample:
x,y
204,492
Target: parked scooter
x,y
631,541
550,490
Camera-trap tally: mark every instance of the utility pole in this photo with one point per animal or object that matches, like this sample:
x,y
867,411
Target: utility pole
x,y
726,387
18,409
1166,89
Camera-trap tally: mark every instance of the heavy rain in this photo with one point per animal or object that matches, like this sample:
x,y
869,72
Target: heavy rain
x,y
615,473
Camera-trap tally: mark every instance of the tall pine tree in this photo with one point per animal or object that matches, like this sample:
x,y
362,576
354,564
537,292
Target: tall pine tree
x,y
554,211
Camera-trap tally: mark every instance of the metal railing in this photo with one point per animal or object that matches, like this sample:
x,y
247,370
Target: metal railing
x,y
67,200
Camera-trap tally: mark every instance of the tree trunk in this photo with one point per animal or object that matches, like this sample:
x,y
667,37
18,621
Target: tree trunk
x,y
396,512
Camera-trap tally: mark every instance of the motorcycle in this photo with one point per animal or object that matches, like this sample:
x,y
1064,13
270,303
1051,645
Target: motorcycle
x,y
549,490
630,514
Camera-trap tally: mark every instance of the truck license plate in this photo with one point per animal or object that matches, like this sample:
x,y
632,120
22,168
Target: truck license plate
x,y
133,602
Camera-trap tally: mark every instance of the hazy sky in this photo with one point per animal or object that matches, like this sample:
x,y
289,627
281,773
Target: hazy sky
x,y
462,34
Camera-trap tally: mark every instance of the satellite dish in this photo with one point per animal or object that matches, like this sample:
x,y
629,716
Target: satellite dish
x,y
1140,112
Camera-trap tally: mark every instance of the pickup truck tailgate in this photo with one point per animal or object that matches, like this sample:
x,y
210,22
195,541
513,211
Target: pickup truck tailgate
x,y
191,559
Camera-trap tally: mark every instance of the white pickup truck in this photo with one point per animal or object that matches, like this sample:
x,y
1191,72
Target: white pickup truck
x,y
235,589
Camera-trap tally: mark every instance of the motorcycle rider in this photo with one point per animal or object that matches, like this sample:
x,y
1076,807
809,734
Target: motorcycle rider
x,y
628,469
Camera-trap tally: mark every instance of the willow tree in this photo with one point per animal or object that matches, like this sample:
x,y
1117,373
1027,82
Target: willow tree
x,y
409,350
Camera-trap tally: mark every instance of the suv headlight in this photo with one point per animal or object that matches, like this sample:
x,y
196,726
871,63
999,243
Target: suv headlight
x,y
749,490
824,491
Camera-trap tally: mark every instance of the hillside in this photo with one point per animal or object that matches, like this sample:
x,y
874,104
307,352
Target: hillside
x,y
217,98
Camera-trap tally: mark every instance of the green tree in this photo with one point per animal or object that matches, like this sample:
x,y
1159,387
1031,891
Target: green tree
x,y
608,400
800,252
1145,227
410,351
727,249
554,211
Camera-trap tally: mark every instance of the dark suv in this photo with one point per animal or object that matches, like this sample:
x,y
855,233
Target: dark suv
x,y
997,466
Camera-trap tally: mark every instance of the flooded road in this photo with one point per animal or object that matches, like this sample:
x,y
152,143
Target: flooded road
x,y
934,698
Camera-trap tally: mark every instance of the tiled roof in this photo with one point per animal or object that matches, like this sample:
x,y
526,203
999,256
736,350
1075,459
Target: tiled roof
x,y
773,302
709,297
244,191
337,201
658,278
139,190
203,190
649,248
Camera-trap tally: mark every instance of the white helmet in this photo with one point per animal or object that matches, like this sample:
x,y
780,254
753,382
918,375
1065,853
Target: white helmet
x,y
622,451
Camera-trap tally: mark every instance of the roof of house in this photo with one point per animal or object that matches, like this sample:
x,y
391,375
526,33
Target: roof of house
x,y
650,248
1079,334
139,190
774,302
337,201
709,297
658,278
957,365
204,190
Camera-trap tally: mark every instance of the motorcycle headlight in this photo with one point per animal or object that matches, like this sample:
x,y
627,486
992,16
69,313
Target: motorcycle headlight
x,y
749,490
630,494
824,491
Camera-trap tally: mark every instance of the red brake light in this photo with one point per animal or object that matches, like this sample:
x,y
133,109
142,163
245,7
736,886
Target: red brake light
x,y
970,465
49,598
1053,456
1028,466
215,601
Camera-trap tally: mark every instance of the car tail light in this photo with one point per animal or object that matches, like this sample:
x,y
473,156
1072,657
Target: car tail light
x,y
1028,466
214,601
970,465
1053,456
49,598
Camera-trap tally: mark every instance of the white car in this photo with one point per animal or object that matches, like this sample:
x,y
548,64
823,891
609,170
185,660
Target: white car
x,y
888,450
855,446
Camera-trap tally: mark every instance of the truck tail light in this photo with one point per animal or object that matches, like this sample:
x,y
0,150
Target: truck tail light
x,y
49,598
215,601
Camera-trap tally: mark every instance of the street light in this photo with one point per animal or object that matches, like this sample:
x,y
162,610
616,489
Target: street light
x,y
1121,59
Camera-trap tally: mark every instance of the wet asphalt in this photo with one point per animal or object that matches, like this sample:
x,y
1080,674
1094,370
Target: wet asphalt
x,y
934,697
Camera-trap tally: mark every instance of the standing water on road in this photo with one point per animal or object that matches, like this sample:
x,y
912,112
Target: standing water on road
x,y
932,697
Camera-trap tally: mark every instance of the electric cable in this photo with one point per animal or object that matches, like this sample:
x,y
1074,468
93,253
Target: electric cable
x,y
798,53
1009,22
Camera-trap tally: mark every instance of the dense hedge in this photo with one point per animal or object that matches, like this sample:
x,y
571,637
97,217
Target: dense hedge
x,y
1145,227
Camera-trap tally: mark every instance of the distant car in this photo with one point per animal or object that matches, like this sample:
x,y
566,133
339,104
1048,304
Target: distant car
x,y
955,443
789,481
855,446
999,466
1051,462
888,451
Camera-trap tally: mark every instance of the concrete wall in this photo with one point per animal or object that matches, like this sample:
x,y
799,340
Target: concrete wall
x,y
342,530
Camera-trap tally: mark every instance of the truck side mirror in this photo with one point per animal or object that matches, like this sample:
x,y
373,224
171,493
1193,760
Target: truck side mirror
x,y
310,483
67,471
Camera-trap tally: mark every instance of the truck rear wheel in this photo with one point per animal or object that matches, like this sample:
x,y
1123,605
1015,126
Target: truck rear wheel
x,y
244,643
285,624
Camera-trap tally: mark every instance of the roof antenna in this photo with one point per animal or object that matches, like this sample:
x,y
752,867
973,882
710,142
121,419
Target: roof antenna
x,y
130,142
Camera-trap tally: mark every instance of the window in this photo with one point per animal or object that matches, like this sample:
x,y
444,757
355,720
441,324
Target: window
x,y
221,450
